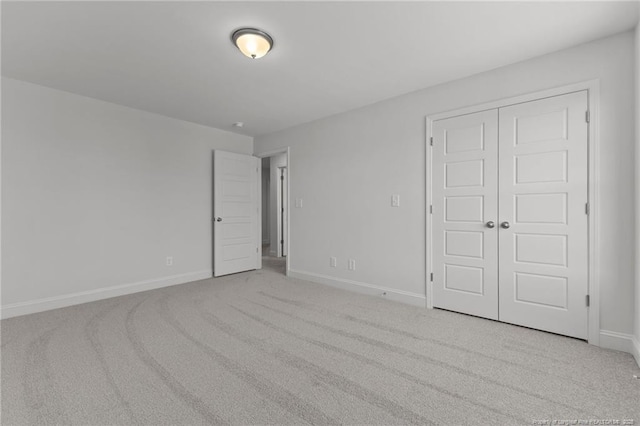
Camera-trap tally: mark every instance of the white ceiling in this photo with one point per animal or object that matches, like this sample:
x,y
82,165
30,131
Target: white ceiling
x,y
176,58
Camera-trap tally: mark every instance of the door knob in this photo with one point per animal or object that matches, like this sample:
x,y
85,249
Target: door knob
x,y
218,219
491,224
505,225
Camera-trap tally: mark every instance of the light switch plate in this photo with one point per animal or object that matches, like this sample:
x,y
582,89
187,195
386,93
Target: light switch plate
x,y
395,200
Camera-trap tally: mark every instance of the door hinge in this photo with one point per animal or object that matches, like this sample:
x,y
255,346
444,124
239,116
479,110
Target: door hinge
x,y
431,141
587,208
587,300
431,209
587,116
431,277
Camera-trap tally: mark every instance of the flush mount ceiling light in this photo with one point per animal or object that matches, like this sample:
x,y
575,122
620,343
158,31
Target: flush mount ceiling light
x,y
251,42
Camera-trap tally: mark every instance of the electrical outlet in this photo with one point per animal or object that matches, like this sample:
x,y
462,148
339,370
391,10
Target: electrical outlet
x,y
333,262
352,264
169,260
298,203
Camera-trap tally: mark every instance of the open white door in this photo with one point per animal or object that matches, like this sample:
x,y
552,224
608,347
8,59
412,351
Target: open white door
x,y
235,211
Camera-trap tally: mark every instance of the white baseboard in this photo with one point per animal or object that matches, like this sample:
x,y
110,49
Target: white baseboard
x,y
618,341
621,342
48,303
636,349
409,298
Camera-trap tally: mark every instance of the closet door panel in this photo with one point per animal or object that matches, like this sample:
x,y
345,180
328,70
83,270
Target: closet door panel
x,y
543,241
464,200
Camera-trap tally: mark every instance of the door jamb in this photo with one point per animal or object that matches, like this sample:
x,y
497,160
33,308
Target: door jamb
x,y
283,179
593,101
269,153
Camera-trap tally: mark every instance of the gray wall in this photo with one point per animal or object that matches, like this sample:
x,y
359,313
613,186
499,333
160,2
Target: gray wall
x,y
346,167
96,195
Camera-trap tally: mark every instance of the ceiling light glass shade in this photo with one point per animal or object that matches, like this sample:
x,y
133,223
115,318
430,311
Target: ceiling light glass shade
x,y
252,43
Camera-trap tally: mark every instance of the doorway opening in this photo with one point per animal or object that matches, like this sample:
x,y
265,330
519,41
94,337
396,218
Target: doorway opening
x,y
275,211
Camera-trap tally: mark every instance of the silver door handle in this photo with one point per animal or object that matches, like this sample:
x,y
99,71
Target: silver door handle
x,y
491,224
218,219
505,225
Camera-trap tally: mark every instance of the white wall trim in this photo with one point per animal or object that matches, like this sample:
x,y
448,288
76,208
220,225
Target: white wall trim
x,y
428,291
282,150
635,349
593,89
617,341
272,152
409,298
259,219
48,303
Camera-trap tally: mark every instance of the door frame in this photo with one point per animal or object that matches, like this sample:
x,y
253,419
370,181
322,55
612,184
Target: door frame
x,y
269,153
593,102
281,212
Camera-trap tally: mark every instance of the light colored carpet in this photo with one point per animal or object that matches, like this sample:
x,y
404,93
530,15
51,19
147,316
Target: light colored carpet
x,y
259,348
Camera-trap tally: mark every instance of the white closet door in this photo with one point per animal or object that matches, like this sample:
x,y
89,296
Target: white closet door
x,y
543,258
464,159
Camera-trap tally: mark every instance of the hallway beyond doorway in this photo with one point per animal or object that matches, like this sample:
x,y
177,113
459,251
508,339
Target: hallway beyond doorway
x,y
273,263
